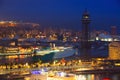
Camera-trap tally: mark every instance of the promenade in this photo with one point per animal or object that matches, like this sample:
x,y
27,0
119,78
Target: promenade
x,y
69,67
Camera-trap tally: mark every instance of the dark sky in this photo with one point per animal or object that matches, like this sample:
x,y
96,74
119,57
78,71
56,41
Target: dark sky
x,y
62,13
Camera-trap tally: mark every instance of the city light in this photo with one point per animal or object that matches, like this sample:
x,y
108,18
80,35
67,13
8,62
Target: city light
x,y
80,77
106,78
55,41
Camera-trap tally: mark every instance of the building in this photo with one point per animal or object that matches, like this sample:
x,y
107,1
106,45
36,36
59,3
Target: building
x,y
114,51
113,30
85,37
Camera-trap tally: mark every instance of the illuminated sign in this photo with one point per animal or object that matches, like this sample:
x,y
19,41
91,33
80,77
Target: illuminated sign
x,y
106,78
36,72
42,71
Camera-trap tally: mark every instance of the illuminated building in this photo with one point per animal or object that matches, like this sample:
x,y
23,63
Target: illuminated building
x,y
114,51
105,37
85,38
14,24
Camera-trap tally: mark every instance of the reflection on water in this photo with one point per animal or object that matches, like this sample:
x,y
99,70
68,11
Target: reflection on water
x,y
104,76
77,77
98,77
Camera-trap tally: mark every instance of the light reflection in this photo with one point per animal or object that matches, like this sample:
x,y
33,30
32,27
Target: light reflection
x,y
81,77
86,77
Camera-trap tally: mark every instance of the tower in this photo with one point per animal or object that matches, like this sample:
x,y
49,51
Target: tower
x,y
85,37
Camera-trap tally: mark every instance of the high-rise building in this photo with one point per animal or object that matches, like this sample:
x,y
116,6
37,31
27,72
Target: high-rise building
x,y
114,51
85,37
113,30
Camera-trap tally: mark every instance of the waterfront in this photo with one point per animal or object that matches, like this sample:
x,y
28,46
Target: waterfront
x,y
99,77
61,70
68,61
70,77
88,77
38,40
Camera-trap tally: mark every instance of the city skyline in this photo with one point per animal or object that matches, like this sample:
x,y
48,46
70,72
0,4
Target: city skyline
x,y
103,13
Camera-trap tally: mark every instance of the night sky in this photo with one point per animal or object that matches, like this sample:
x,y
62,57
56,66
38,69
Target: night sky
x,y
62,13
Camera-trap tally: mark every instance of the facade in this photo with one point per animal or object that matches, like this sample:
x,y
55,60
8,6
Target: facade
x,y
85,37
114,51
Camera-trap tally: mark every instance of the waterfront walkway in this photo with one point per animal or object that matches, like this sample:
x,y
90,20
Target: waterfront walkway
x,y
52,68
84,69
